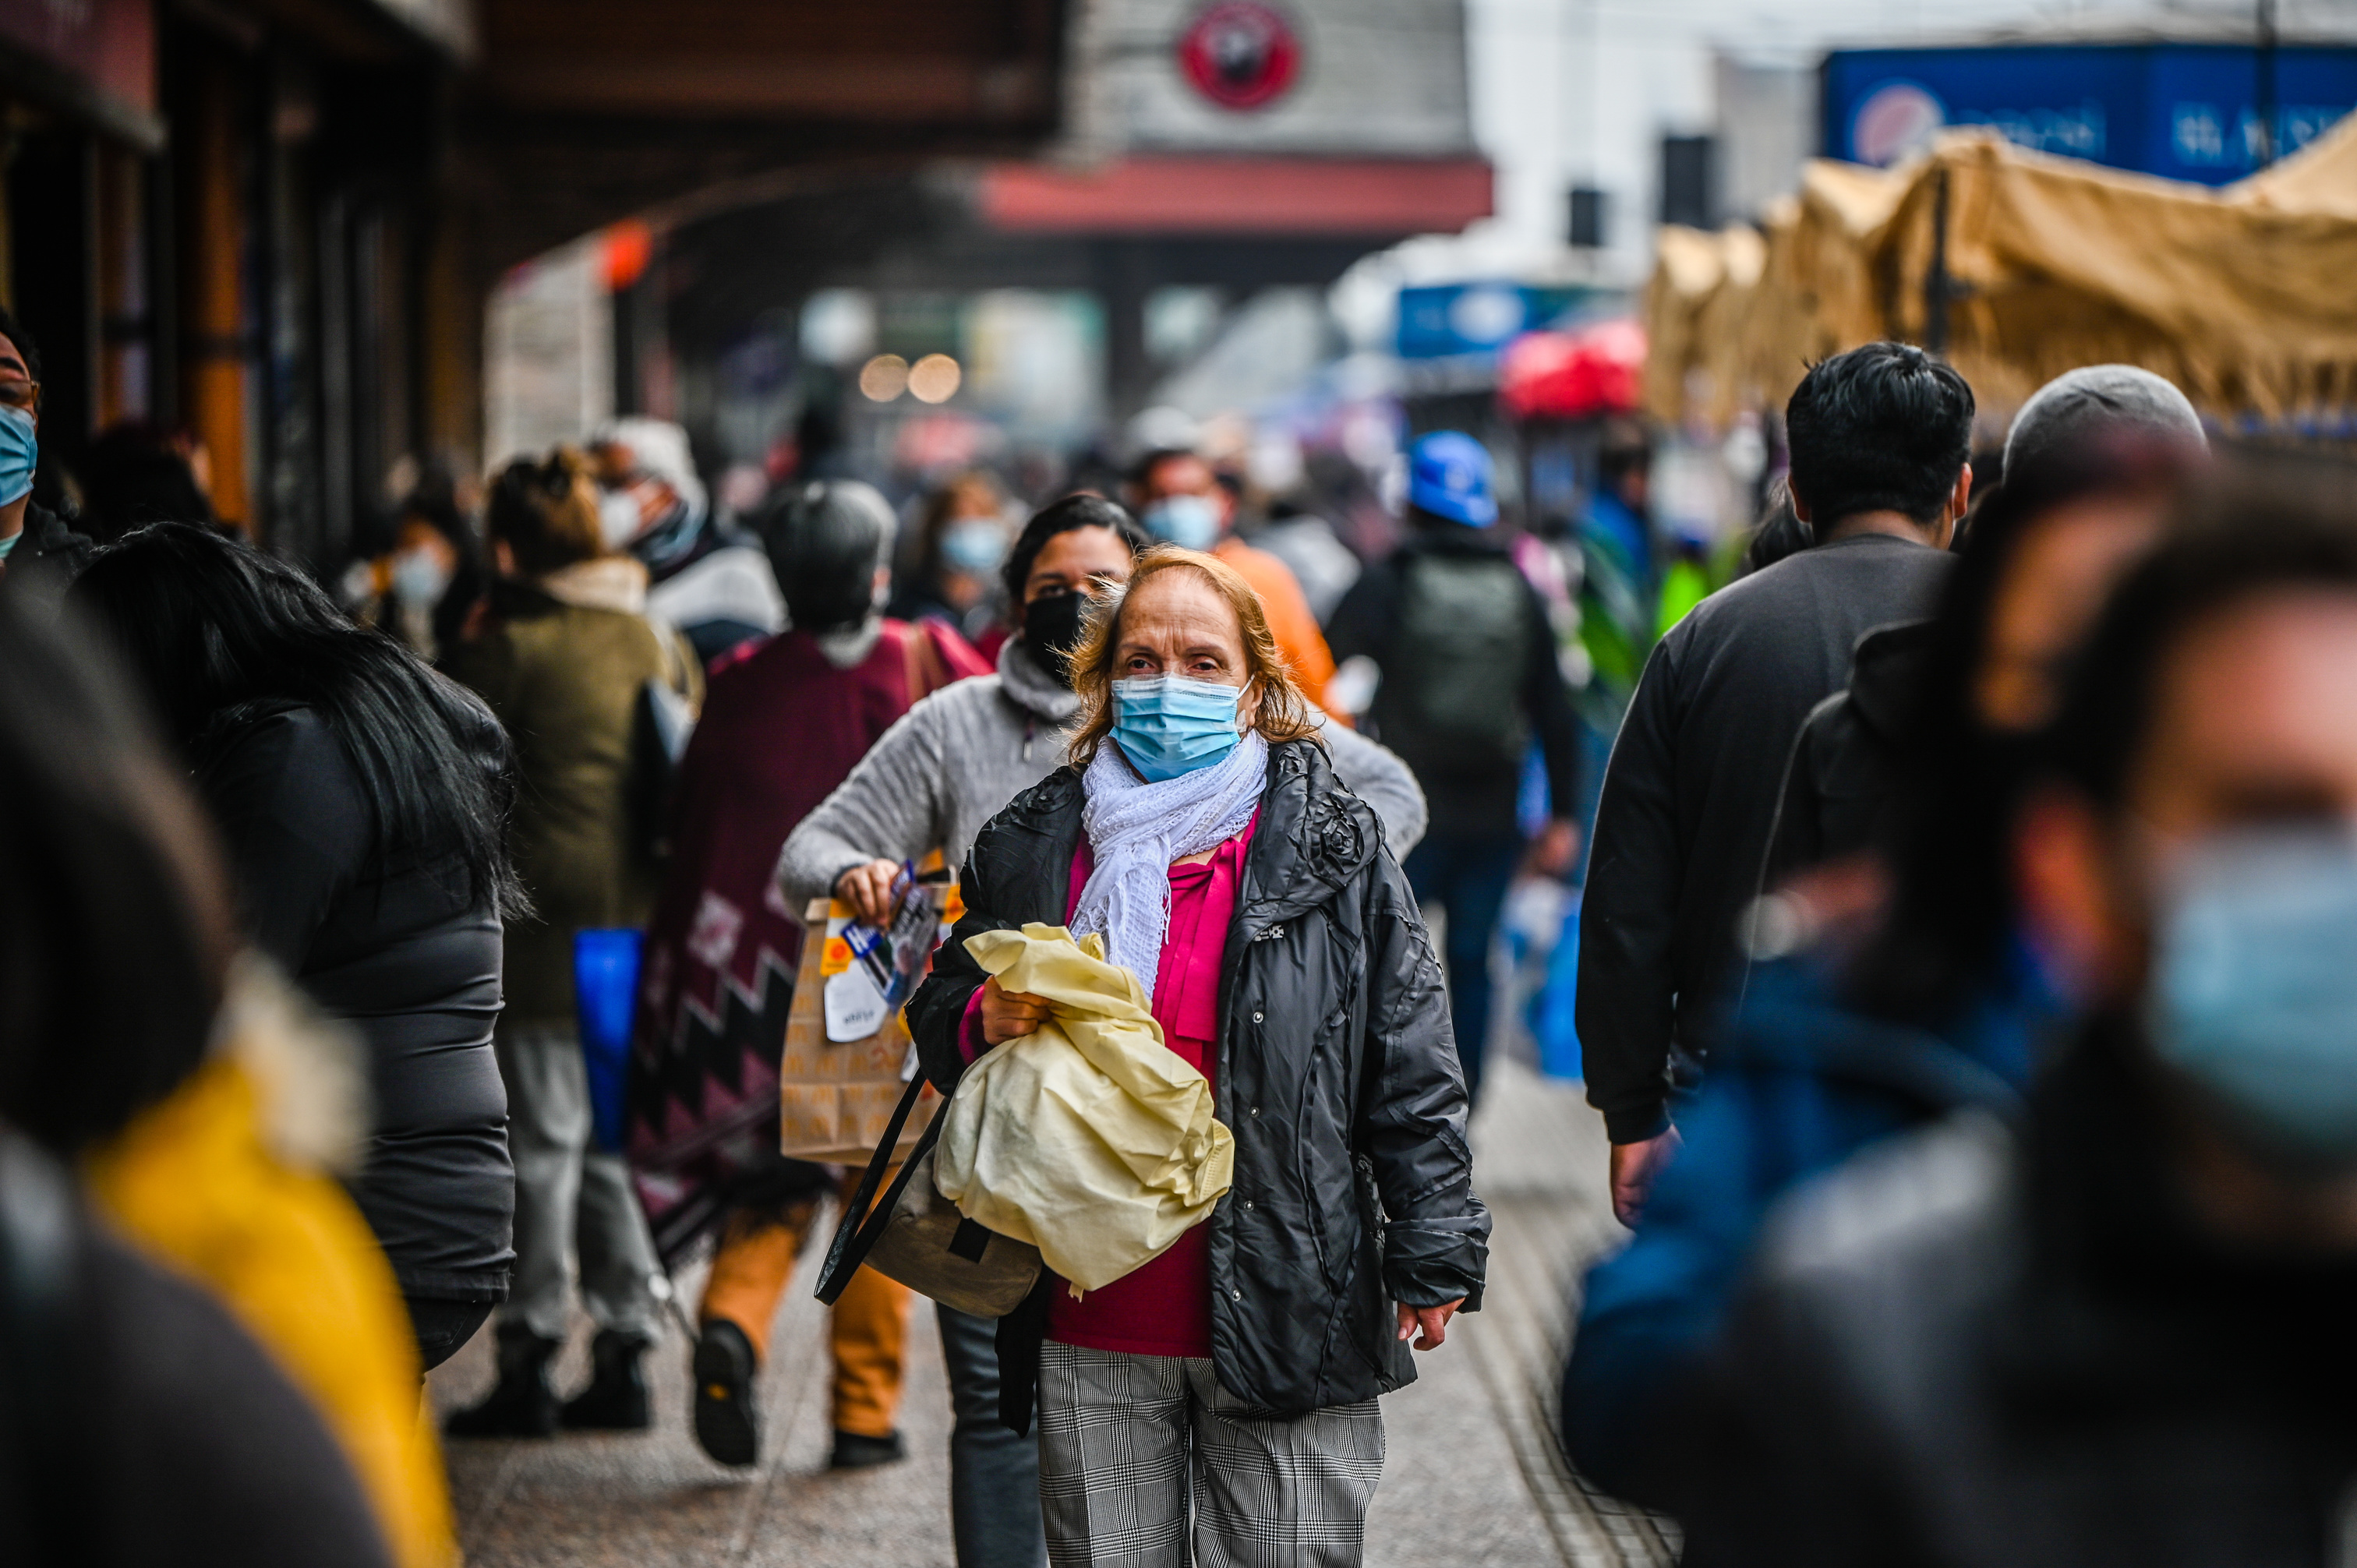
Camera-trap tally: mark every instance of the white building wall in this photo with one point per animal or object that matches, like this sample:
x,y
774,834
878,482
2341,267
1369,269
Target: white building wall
x,y
1378,78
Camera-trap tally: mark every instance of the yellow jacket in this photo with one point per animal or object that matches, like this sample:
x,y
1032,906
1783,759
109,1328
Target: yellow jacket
x,y
226,1181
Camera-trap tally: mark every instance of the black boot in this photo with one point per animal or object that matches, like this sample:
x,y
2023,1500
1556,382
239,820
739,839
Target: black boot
x,y
615,1399
727,1403
523,1405
854,1452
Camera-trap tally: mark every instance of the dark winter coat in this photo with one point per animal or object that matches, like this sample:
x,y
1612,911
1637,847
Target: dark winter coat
x,y
1481,801
1690,795
1337,1072
1845,765
564,675
47,559
1799,1083
410,957
1969,1349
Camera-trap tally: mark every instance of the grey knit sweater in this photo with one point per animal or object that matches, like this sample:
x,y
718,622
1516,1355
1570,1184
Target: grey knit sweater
x,y
954,760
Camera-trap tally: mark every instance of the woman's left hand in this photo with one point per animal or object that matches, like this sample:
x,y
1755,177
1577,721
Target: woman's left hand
x,y
1433,1320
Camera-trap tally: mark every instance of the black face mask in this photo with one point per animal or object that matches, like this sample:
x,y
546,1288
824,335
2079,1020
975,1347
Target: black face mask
x,y
1051,625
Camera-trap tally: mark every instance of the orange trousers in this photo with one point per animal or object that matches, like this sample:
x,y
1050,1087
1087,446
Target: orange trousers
x,y
869,1325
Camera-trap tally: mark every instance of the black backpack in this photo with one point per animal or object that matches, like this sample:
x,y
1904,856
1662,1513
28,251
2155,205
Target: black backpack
x,y
1452,691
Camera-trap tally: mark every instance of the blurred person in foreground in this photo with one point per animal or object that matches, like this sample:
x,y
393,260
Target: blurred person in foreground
x,y
1180,501
2120,1334
362,800
206,1359
1905,989
710,580
38,553
1878,438
1469,679
935,778
782,726
961,538
564,660
1223,1394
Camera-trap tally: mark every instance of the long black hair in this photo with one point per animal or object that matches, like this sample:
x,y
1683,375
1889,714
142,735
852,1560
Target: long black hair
x,y
114,927
217,630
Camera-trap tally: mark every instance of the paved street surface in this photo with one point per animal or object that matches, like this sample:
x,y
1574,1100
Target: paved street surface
x,y
1471,1476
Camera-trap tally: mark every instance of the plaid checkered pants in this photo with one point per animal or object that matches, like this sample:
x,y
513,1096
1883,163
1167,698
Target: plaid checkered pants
x,y
1127,1442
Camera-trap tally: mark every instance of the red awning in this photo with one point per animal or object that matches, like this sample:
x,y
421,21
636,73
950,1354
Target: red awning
x,y
1240,196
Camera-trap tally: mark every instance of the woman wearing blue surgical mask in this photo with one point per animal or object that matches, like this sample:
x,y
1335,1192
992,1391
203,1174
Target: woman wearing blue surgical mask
x,y
1200,830
962,539
38,553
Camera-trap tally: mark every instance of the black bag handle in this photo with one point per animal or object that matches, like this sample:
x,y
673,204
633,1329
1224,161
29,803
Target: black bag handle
x,y
862,1226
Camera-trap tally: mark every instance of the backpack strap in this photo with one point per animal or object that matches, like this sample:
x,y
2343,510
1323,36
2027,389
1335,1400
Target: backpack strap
x,y
921,664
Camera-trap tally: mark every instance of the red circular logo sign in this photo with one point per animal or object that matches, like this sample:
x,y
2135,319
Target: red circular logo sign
x,y
1240,54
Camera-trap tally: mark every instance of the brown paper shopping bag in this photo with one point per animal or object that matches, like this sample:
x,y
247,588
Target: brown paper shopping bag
x,y
836,1098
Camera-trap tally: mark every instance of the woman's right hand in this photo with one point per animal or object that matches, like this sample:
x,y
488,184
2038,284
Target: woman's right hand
x,y
1006,1015
868,890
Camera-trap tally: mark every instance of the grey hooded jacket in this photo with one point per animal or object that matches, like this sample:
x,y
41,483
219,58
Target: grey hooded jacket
x,y
955,760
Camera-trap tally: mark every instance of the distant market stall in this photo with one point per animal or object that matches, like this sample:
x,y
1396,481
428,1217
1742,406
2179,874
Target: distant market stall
x,y
2019,265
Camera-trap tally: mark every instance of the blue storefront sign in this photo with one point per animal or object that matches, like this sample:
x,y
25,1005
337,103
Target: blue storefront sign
x,y
1442,320
2186,112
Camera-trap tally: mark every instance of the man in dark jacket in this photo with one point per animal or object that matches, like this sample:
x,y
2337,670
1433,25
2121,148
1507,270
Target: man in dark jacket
x,y
1879,437
1469,679
38,553
2121,1337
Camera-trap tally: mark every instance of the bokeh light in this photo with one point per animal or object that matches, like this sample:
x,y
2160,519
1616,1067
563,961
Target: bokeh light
x,y
884,377
935,378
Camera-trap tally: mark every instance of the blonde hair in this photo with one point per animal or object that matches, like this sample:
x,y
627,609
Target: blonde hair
x,y
546,512
1283,710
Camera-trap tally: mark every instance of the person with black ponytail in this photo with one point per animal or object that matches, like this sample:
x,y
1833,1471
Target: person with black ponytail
x,y
362,800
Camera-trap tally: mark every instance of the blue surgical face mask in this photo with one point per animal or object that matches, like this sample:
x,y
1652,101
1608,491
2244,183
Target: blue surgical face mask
x,y
20,454
1192,522
977,546
1168,724
419,579
2254,994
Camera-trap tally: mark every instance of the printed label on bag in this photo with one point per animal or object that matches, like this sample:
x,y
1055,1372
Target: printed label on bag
x,y
854,1007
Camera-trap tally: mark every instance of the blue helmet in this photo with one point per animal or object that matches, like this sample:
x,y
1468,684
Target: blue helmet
x,y
1448,475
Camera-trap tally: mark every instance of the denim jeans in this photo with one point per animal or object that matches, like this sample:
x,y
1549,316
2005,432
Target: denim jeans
x,y
993,1474
1468,876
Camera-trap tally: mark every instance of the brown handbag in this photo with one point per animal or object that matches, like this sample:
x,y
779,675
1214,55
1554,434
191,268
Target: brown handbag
x,y
916,1236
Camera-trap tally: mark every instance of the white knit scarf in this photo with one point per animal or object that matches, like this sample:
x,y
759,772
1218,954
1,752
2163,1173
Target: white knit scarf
x,y
1137,829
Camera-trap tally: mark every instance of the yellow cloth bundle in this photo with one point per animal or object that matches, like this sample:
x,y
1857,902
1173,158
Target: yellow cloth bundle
x,y
1088,1137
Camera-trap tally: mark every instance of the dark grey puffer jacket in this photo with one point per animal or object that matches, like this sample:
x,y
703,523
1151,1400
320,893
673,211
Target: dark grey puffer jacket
x,y
1337,1072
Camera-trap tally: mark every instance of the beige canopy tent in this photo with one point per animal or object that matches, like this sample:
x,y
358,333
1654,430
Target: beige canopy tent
x,y
2243,296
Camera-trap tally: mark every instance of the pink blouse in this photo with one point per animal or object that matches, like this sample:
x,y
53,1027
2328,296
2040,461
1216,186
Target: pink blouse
x,y
1164,1308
